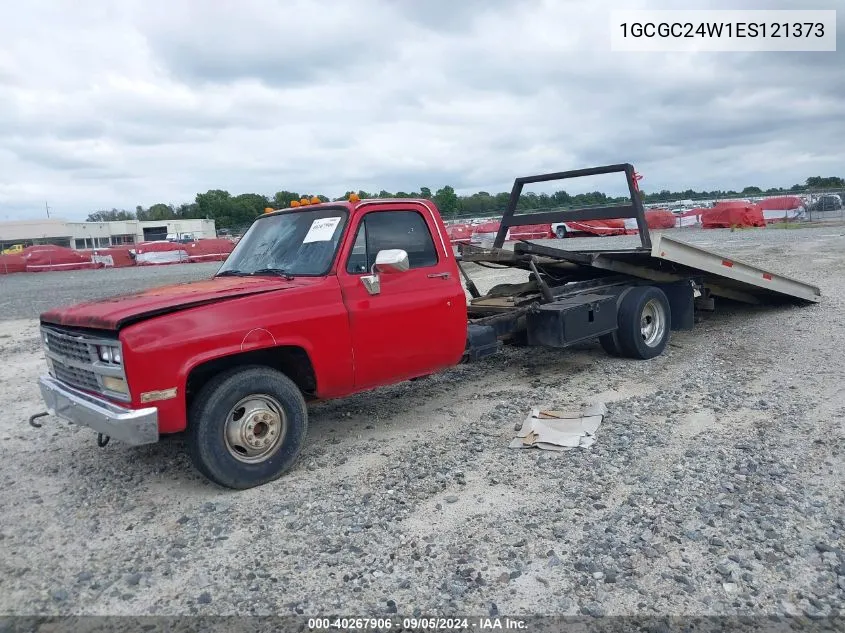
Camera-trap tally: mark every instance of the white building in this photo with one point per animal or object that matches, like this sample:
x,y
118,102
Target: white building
x,y
99,234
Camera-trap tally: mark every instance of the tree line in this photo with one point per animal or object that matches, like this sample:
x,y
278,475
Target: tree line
x,y
237,211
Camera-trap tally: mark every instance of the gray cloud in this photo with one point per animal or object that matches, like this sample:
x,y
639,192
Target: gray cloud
x,y
52,160
130,104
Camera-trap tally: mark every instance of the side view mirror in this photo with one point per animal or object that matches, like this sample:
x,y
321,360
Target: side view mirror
x,y
388,261
394,260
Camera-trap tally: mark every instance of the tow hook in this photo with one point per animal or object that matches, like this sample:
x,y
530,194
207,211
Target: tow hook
x,y
32,419
102,440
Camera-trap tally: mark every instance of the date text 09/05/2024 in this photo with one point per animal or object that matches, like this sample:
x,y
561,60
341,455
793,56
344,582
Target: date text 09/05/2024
x,y
411,624
722,29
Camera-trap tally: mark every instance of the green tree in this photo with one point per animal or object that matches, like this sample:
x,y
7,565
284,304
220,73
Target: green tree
x,y
447,201
217,205
188,210
282,199
160,211
235,211
818,182
111,215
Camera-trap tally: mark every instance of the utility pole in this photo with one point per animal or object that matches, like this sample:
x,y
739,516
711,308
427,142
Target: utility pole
x,y
48,209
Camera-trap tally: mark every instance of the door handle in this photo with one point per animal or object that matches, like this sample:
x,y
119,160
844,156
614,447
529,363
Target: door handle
x,y
441,275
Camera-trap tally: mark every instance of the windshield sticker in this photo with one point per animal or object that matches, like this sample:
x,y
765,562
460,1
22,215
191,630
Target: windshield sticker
x,y
321,230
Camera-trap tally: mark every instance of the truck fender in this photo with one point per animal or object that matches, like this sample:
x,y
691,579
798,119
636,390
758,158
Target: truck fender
x,y
290,357
258,342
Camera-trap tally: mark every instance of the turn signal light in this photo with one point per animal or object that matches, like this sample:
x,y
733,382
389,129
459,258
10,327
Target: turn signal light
x,y
118,385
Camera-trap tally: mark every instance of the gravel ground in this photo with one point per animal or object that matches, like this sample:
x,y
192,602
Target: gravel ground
x,y
25,296
714,487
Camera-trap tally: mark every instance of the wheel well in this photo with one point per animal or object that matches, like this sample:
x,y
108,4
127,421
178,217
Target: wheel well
x,y
292,361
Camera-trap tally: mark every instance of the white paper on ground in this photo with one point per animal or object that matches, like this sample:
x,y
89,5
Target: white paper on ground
x,y
560,430
321,230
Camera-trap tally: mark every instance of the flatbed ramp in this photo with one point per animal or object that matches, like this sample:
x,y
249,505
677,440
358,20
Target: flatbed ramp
x,y
730,274
671,259
660,258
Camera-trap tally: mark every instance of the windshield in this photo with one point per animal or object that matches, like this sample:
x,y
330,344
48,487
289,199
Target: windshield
x,y
297,243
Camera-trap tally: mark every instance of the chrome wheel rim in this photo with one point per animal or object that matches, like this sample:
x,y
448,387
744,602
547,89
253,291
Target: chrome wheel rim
x,y
653,323
255,428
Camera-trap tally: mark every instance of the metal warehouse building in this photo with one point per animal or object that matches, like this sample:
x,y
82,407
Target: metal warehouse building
x,y
98,234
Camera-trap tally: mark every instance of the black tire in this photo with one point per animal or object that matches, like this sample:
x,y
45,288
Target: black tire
x,y
637,306
212,449
610,344
560,231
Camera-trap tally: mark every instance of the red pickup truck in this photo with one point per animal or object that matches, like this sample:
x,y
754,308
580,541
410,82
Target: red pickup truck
x,y
325,300
309,305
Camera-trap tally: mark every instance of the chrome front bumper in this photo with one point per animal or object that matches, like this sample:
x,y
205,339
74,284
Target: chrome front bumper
x,y
133,426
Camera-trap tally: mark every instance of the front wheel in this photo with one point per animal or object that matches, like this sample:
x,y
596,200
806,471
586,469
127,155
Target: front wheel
x,y
247,427
560,231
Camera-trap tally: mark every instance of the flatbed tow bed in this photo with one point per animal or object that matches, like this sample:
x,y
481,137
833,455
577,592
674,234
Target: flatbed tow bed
x,y
617,295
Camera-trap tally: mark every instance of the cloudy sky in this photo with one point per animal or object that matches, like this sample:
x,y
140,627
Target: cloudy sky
x,y
115,104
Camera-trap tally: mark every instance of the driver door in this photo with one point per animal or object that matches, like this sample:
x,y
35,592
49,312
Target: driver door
x,y
416,324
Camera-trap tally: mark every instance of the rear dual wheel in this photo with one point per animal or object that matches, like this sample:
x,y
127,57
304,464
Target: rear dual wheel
x,y
644,322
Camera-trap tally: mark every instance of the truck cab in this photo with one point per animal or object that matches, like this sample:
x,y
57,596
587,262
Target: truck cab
x,y
316,301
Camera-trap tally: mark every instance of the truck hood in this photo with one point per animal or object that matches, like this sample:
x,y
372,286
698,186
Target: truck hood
x,y
116,312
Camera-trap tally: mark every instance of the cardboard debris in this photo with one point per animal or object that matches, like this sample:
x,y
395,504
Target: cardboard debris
x,y
560,430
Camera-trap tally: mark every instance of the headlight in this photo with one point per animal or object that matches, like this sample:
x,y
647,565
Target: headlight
x,y
109,354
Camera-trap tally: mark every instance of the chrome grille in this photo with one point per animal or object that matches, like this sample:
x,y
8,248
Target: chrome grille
x,y
73,359
73,348
82,378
